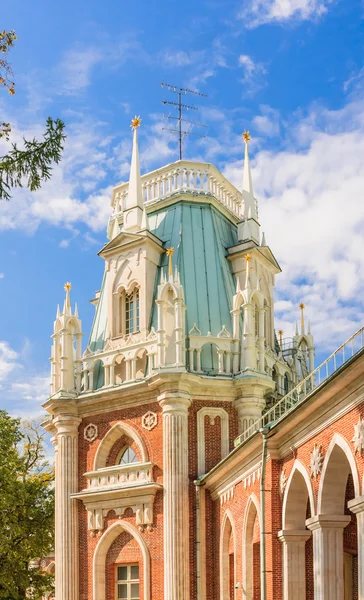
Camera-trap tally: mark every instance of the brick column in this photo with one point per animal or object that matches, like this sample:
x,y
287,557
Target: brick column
x,y
357,507
328,555
66,518
294,563
176,506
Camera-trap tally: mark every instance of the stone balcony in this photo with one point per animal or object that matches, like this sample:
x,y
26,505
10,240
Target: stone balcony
x,y
120,476
184,177
118,488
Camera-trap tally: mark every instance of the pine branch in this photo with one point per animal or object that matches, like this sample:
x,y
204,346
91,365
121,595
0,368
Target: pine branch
x,y
32,164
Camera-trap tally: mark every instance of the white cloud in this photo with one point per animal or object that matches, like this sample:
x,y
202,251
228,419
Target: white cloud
x,y
180,58
254,72
8,360
259,12
267,123
2,275
312,211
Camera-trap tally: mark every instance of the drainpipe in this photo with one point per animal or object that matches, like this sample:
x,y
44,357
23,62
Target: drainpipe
x,y
198,541
263,570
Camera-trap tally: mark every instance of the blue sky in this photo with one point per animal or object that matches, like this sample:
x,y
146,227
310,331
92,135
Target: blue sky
x,y
290,71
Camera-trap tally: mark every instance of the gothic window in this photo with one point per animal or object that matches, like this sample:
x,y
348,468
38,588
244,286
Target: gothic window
x,y
127,582
132,311
128,457
127,318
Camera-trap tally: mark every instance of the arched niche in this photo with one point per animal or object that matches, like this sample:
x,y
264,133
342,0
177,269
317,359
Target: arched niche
x,y
227,557
141,359
98,375
209,358
119,369
251,547
99,559
111,437
297,493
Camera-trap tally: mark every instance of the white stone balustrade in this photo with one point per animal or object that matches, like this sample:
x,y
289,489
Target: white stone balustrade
x,y
183,176
120,476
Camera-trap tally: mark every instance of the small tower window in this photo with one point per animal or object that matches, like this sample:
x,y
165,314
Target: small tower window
x,y
128,457
132,311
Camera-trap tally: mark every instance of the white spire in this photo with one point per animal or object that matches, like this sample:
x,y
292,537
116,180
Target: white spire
x,y
135,194
263,242
134,203
247,176
249,206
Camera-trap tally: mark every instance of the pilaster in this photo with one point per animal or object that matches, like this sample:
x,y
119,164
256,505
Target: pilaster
x,y
357,507
66,550
294,563
176,499
328,555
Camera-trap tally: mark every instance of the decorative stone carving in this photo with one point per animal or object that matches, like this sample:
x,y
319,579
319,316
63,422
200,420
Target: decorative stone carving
x,y
90,432
282,481
316,461
224,333
358,438
43,563
149,420
195,330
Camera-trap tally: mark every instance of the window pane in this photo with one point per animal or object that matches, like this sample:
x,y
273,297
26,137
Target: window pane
x,y
128,457
122,590
134,591
122,573
134,572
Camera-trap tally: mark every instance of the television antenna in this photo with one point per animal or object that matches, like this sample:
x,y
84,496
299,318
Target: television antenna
x,y
180,107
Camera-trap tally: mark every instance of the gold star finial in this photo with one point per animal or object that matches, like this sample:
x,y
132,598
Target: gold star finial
x,y
248,257
246,136
67,286
135,123
302,307
280,333
170,252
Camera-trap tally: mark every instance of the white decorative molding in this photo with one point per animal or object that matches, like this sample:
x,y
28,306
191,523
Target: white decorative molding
x,y
212,413
227,494
195,330
282,481
149,420
224,333
90,432
316,461
252,476
358,438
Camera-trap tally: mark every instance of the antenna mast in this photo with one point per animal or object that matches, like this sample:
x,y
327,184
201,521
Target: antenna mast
x,y
180,106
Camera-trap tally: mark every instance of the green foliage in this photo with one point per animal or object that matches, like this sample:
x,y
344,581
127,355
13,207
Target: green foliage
x,y
31,165
33,162
26,510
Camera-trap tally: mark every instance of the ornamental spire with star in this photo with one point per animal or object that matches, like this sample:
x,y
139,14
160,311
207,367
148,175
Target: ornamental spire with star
x,y
135,191
249,210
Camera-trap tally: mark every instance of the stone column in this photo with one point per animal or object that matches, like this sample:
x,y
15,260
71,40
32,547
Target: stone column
x,y
294,563
328,555
357,507
248,354
176,497
66,518
261,341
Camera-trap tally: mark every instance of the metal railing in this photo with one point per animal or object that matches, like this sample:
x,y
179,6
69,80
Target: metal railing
x,y
336,360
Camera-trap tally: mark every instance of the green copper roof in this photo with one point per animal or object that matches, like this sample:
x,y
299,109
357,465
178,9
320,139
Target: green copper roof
x,y
200,236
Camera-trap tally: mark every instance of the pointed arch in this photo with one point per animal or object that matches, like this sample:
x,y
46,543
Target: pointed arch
x,y
99,559
251,517
298,491
110,438
227,530
339,463
168,287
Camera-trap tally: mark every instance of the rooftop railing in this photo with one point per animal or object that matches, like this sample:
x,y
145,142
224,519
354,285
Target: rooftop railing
x,y
336,360
183,176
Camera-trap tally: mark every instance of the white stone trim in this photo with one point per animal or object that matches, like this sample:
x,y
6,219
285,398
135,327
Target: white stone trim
x,y
247,551
297,466
211,412
98,563
341,442
114,433
224,568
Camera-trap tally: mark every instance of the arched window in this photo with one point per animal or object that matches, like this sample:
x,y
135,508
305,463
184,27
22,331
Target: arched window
x,y
128,457
127,312
286,384
132,311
